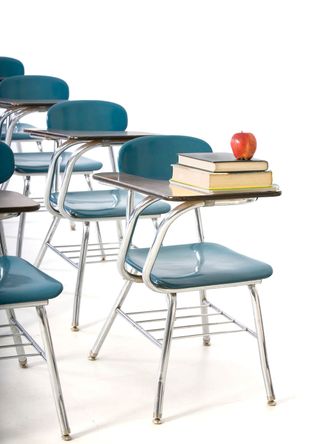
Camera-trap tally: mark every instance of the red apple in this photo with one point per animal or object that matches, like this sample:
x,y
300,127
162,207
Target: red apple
x,y
243,145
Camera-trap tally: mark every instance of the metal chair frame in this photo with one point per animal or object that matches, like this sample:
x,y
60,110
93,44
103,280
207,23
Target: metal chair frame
x,y
108,250
204,314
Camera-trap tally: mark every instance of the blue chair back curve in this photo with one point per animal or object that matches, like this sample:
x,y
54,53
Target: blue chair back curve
x,y
152,156
10,67
6,162
87,115
34,88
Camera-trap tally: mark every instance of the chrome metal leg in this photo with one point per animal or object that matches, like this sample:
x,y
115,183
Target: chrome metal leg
x,y
155,223
262,345
119,231
18,147
53,372
17,338
47,240
3,244
108,324
158,407
22,219
204,318
81,266
88,180
39,145
203,298
103,254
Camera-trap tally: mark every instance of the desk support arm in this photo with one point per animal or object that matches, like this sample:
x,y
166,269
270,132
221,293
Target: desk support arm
x,y
159,238
125,245
68,174
51,178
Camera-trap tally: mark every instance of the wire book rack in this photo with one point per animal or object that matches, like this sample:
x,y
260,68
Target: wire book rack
x,y
21,339
96,252
189,322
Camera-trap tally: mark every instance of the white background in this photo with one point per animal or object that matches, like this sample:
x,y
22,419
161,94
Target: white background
x,y
210,69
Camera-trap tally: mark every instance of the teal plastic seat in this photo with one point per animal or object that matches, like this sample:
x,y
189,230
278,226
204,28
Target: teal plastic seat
x,y
34,87
7,162
199,265
39,162
22,282
152,156
104,204
19,135
87,115
10,67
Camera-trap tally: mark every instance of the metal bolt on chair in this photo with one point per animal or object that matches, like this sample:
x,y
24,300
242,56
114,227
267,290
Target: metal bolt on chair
x,y
86,206
22,285
36,94
176,269
12,67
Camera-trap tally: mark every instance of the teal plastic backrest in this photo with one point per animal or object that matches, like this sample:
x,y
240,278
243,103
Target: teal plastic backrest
x,y
10,67
87,115
6,162
34,88
152,156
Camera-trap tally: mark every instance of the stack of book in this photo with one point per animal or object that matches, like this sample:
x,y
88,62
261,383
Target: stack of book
x,y
221,171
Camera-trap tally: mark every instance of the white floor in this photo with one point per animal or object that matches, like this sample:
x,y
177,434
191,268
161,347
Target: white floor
x,y
213,393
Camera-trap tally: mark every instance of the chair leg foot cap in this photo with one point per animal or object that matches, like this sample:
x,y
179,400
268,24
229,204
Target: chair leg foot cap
x,y
23,364
75,328
157,421
66,437
92,356
272,402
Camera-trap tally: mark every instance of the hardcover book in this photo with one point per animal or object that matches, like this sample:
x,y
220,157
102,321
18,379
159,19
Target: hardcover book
x,y
220,162
220,181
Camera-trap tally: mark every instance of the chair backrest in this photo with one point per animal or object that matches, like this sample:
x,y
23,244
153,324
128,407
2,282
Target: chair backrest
x,y
152,156
6,162
10,67
87,115
34,88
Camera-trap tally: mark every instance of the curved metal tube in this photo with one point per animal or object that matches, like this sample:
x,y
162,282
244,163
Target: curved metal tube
x,y
162,230
18,115
4,117
68,173
51,182
145,203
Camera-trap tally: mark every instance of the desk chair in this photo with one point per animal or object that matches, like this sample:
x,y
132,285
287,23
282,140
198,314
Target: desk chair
x,y
12,67
179,268
86,206
37,88
22,285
